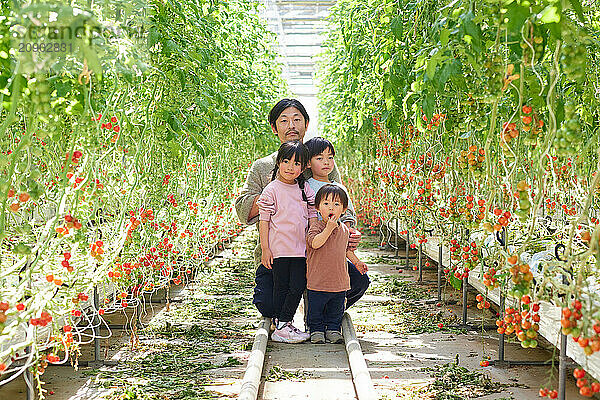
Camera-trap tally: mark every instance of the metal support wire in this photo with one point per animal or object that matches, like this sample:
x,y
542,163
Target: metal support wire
x,y
420,263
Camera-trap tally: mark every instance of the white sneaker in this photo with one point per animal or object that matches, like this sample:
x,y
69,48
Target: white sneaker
x,y
289,334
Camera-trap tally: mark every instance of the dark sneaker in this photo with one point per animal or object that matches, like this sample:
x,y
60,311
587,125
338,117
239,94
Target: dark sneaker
x,y
317,337
334,337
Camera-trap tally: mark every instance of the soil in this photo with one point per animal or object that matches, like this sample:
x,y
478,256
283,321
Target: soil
x,y
197,347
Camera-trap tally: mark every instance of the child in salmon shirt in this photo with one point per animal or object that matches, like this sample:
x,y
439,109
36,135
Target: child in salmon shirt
x,y
327,271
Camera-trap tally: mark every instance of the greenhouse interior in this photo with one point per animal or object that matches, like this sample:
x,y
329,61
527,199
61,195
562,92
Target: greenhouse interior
x,y
155,153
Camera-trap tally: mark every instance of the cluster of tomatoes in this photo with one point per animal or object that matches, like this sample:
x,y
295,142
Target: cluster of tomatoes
x,y
390,147
145,216
80,297
532,125
524,203
70,223
171,199
521,276
96,249
436,119
489,279
44,319
425,193
467,209
504,218
23,198
472,160
65,262
523,323
4,306
469,258
569,323
585,388
482,303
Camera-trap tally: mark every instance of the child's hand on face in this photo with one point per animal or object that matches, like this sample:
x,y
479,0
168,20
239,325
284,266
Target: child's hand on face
x,y
332,222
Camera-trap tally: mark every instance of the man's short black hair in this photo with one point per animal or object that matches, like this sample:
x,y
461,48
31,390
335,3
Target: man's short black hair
x,y
282,105
317,145
335,191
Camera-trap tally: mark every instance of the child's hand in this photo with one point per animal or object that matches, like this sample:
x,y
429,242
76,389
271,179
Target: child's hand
x,y
332,222
361,267
266,258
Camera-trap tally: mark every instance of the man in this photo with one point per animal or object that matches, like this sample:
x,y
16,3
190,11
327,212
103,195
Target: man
x,y
289,121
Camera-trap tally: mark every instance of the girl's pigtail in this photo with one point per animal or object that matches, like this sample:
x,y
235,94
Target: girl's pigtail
x,y
301,181
275,172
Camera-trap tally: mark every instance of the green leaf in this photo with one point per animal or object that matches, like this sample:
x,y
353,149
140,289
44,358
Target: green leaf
x,y
576,4
516,18
428,106
444,36
431,65
397,27
153,36
92,60
62,88
549,15
472,29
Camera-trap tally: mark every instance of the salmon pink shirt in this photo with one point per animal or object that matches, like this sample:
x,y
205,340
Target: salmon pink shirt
x,y
281,204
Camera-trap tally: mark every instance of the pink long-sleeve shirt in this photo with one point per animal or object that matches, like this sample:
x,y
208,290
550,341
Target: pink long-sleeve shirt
x,y
281,204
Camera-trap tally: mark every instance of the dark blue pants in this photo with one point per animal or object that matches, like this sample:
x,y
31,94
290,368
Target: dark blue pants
x,y
289,282
263,291
325,310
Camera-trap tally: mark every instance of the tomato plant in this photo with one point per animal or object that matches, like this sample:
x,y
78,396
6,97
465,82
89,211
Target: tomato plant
x,y
477,121
122,152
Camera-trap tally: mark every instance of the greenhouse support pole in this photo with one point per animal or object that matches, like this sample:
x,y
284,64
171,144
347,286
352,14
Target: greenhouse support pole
x,y
562,360
407,246
420,262
502,300
562,367
96,327
396,237
28,376
465,283
501,341
439,274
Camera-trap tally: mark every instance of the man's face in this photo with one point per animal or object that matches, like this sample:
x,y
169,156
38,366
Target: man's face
x,y
290,125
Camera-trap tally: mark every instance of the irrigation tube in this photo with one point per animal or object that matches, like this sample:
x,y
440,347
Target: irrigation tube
x,y
251,382
360,373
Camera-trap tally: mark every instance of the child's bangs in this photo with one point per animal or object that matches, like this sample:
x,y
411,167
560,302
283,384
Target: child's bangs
x,y
293,153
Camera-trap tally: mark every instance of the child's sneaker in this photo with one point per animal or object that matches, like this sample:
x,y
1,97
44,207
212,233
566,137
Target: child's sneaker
x,y
334,337
289,334
317,337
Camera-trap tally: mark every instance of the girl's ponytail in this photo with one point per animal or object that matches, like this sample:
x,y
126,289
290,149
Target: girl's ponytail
x,y
275,172
301,181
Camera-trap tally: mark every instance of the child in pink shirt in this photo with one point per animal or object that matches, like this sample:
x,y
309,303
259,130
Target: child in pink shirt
x,y
286,206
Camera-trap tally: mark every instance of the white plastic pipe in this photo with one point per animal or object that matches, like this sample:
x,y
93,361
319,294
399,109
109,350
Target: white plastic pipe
x,y
251,382
360,373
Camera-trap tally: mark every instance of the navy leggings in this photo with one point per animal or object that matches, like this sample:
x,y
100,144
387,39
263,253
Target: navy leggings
x,y
289,282
263,291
